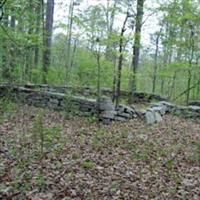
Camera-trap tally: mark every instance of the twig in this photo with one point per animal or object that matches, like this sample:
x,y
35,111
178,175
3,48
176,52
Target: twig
x,y
185,91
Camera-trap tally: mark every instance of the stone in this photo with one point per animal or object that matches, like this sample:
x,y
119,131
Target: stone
x,y
121,119
169,106
194,108
187,111
106,104
160,109
150,117
158,117
106,121
108,114
126,109
194,103
125,115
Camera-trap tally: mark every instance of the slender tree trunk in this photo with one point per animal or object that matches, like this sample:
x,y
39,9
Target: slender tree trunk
x,y
136,48
156,61
190,65
98,83
29,57
69,34
37,32
110,21
5,68
48,38
12,47
173,85
73,53
114,78
119,68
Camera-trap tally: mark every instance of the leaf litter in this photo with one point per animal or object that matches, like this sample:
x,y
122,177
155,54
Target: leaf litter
x,y
45,156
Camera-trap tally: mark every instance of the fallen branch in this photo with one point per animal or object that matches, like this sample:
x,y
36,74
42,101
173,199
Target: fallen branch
x,y
185,91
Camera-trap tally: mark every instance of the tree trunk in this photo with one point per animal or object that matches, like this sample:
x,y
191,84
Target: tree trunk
x,y
114,78
110,21
69,35
119,68
12,47
156,61
29,57
5,68
136,48
190,65
47,38
37,32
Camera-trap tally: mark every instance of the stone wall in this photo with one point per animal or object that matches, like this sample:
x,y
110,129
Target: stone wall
x,y
157,110
54,98
89,91
59,101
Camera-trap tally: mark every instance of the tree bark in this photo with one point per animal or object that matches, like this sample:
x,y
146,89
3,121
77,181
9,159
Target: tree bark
x,y
136,48
156,61
110,21
12,47
5,68
48,38
69,35
119,68
37,31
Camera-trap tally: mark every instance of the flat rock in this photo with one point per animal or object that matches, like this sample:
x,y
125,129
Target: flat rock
x,y
194,103
125,115
108,114
121,119
194,108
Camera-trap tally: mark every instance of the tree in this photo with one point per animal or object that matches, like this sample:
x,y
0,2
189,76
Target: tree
x,y
155,68
38,10
181,40
136,47
48,38
120,61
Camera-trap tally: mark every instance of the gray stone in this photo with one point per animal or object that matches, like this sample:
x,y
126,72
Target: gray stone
x,y
194,103
169,106
125,115
108,114
126,109
194,108
121,119
106,121
158,117
160,109
187,111
150,117
106,104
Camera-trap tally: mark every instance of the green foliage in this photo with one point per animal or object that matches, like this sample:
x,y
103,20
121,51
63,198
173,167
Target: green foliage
x,y
88,164
45,135
196,151
7,107
178,48
40,180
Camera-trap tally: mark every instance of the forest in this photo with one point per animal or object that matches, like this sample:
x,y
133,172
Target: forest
x,y
99,99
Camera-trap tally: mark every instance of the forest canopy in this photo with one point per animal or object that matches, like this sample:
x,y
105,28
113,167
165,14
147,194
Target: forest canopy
x,y
138,45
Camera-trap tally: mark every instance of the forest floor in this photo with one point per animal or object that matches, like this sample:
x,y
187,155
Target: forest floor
x,y
43,155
